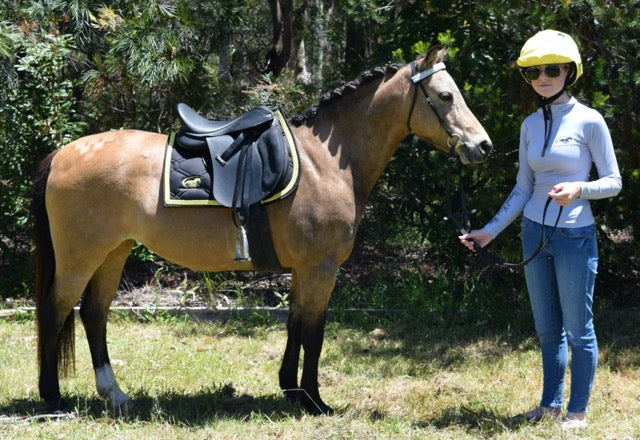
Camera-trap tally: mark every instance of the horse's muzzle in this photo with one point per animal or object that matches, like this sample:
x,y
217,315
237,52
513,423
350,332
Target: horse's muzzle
x,y
474,153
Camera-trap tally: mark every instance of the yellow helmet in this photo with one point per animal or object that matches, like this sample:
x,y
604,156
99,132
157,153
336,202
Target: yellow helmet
x,y
551,47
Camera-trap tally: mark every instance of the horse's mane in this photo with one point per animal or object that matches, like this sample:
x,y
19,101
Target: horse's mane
x,y
378,72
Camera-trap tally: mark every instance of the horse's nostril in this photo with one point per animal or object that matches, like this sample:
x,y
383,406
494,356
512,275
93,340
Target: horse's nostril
x,y
486,147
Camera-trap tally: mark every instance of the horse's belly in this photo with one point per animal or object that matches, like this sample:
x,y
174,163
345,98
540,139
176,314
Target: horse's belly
x,y
197,238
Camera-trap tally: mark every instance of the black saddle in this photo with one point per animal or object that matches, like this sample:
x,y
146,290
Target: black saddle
x,y
195,124
251,155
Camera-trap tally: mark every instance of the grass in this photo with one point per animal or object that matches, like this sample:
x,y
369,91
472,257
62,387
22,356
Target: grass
x,y
386,379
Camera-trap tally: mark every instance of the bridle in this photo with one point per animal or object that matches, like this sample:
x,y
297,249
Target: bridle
x,y
453,140
460,219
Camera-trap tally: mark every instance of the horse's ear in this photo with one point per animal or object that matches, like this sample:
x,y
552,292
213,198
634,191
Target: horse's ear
x,y
435,54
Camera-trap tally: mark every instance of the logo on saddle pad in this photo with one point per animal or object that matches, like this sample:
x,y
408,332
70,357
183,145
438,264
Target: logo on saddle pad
x,y
191,182
235,163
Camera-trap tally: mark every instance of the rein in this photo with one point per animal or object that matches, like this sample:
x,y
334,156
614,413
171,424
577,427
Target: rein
x,y
463,225
461,219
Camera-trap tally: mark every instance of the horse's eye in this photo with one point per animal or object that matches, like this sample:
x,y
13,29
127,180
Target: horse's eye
x,y
445,96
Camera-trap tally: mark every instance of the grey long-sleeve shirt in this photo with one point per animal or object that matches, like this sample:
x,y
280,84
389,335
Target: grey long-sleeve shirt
x,y
579,137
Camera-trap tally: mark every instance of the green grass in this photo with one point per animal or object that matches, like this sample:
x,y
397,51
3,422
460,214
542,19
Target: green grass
x,y
386,379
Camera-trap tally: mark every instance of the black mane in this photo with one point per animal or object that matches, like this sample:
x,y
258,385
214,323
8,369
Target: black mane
x,y
307,115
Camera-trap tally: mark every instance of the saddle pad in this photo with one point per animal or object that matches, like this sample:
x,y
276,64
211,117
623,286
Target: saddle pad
x,y
188,176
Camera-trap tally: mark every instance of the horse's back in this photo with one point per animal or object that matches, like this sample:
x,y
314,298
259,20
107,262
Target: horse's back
x,y
110,150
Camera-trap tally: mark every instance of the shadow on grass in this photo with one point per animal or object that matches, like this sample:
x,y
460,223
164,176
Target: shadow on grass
x,y
201,408
210,406
476,420
442,344
480,422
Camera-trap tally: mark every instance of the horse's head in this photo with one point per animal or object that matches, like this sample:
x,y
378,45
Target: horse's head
x,y
439,113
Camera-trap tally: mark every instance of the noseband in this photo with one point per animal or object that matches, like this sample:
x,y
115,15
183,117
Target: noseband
x,y
460,219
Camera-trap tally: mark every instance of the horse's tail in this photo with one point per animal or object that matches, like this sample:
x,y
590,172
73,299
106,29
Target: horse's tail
x,y
45,264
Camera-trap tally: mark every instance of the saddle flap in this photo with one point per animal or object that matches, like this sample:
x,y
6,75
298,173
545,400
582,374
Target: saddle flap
x,y
273,158
225,174
253,172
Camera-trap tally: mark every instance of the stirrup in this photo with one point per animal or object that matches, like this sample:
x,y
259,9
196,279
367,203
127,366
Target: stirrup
x,y
242,245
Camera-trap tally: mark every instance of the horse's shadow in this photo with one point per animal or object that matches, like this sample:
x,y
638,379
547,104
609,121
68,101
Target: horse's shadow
x,y
197,408
209,406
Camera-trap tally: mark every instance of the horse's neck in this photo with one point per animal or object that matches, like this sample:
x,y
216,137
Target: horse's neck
x,y
364,130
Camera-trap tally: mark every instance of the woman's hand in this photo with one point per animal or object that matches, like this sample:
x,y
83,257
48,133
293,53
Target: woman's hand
x,y
564,193
479,236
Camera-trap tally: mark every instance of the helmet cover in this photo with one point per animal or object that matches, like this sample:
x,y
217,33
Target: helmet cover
x,y
551,47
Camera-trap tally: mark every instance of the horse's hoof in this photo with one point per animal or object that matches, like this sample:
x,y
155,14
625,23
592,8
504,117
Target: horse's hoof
x,y
314,406
123,408
318,408
293,396
57,405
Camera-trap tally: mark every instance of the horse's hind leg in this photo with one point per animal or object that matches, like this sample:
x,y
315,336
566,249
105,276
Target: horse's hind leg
x,y
56,336
55,329
94,312
311,291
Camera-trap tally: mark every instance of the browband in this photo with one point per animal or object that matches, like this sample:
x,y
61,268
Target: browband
x,y
427,73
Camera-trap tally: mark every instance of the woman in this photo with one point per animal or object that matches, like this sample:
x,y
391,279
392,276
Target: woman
x,y
558,144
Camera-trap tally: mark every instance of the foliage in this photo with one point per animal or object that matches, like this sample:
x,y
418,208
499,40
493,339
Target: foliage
x,y
38,116
71,67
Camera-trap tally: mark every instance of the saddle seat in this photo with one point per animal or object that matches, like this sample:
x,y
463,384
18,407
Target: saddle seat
x,y
196,125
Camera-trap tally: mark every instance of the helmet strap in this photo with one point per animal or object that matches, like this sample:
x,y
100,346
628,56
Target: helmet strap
x,y
548,116
543,102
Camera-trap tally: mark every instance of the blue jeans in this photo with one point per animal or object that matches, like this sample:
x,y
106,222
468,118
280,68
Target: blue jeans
x,y
560,281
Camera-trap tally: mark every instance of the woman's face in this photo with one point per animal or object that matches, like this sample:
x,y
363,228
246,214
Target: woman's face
x,y
546,85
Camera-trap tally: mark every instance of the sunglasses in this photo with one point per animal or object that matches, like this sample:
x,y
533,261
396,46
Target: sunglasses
x,y
533,73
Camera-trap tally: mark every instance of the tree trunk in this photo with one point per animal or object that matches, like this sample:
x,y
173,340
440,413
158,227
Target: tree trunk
x,y
224,70
357,47
302,74
280,51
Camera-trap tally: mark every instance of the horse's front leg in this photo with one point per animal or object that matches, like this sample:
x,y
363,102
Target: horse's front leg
x,y
288,374
94,313
311,290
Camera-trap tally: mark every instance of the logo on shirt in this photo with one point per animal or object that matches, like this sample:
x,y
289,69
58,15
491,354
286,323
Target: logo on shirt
x,y
566,140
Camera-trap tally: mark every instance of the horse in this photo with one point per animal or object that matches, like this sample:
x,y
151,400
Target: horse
x,y
98,195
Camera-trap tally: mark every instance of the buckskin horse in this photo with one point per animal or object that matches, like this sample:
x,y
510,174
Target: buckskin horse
x,y
96,196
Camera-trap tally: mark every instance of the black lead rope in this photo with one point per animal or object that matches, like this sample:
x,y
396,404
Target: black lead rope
x,y
462,223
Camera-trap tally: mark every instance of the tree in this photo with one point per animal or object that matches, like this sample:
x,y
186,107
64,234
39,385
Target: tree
x,y
280,51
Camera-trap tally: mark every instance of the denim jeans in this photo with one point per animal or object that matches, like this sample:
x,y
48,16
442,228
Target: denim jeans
x,y
560,281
